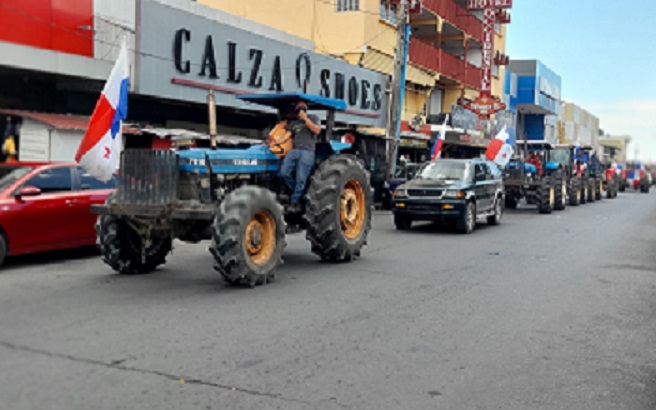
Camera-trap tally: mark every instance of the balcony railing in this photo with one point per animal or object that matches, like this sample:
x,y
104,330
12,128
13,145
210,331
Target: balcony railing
x,y
439,61
425,55
456,15
473,76
451,66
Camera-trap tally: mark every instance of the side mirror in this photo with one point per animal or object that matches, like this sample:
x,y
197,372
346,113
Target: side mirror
x,y
28,191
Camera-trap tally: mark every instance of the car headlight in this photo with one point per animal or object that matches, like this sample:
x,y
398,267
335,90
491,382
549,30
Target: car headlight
x,y
453,194
400,193
386,185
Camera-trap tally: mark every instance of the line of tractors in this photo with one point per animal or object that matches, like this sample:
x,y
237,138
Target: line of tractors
x,y
555,176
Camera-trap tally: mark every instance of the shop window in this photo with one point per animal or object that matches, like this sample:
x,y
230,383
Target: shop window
x,y
348,5
388,11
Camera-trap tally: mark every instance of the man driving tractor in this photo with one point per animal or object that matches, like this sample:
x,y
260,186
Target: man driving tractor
x,y
298,163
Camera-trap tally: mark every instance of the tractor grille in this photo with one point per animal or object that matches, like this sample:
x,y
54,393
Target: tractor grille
x,y
147,177
425,192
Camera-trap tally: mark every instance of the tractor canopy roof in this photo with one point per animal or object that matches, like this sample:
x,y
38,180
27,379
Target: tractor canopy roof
x,y
285,100
536,145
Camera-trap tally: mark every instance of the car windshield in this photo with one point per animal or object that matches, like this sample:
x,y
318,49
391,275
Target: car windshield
x,y
11,174
445,171
406,172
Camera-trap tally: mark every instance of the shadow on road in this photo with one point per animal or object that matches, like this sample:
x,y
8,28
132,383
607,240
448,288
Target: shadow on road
x,y
51,257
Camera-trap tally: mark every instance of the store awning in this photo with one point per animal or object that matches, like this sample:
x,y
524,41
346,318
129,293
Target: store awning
x,y
381,62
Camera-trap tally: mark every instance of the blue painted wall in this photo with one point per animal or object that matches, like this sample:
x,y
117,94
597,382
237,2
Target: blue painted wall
x,y
534,126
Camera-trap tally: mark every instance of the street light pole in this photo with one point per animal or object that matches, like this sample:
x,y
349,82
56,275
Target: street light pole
x,y
398,86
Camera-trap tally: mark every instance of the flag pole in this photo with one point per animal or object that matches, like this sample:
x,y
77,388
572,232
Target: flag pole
x,y
211,106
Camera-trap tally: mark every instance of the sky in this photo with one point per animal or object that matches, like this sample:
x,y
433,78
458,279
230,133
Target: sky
x,y
605,54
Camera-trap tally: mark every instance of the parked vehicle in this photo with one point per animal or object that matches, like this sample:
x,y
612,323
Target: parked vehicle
x,y
404,173
46,206
234,197
451,190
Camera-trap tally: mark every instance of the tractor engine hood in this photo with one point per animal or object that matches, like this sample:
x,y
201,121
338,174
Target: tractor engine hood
x,y
252,160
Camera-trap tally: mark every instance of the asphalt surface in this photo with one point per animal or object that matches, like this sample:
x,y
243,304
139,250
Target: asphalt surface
x,y
542,312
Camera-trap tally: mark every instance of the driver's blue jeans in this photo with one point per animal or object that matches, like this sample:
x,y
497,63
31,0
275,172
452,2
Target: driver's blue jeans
x,y
298,163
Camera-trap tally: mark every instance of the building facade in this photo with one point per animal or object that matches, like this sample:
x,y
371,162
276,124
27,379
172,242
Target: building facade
x,y
445,52
58,54
537,97
579,125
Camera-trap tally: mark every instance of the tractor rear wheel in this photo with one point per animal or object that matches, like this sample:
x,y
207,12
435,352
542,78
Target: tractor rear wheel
x,y
611,189
546,196
574,191
560,190
248,236
121,247
339,207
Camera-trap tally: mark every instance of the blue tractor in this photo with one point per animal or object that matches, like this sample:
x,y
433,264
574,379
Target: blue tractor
x,y
233,197
534,176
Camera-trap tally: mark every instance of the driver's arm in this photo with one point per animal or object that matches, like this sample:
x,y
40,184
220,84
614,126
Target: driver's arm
x,y
314,128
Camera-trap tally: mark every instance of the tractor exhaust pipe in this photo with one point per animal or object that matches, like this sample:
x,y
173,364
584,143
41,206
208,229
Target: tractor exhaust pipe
x,y
211,106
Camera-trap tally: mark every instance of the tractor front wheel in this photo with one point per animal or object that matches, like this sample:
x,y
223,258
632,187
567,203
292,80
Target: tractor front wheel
x,y
546,196
560,190
122,248
248,236
574,191
339,207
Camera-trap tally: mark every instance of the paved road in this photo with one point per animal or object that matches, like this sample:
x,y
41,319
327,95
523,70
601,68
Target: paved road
x,y
542,312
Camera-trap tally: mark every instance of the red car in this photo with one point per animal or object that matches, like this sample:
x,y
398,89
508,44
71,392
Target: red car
x,y
46,206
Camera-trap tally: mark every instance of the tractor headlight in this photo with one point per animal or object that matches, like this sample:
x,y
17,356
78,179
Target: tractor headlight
x,y
453,194
400,193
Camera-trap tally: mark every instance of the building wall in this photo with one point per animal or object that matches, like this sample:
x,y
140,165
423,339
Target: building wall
x,y
60,25
317,21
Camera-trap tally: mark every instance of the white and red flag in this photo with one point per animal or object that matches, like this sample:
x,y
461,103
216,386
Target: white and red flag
x,y
100,148
439,141
500,151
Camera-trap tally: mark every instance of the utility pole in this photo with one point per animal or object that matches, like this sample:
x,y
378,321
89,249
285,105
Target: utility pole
x,y
398,85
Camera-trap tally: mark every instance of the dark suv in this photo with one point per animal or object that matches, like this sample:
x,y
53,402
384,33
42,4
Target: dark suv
x,y
460,190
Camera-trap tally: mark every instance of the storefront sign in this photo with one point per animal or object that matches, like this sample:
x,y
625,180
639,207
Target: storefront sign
x,y
413,143
485,106
488,52
183,60
484,4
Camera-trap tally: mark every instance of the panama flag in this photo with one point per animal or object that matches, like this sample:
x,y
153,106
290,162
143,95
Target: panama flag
x,y
99,150
437,147
500,149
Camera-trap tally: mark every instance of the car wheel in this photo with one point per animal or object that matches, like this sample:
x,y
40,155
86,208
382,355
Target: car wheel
x,y
402,223
4,249
498,211
467,223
